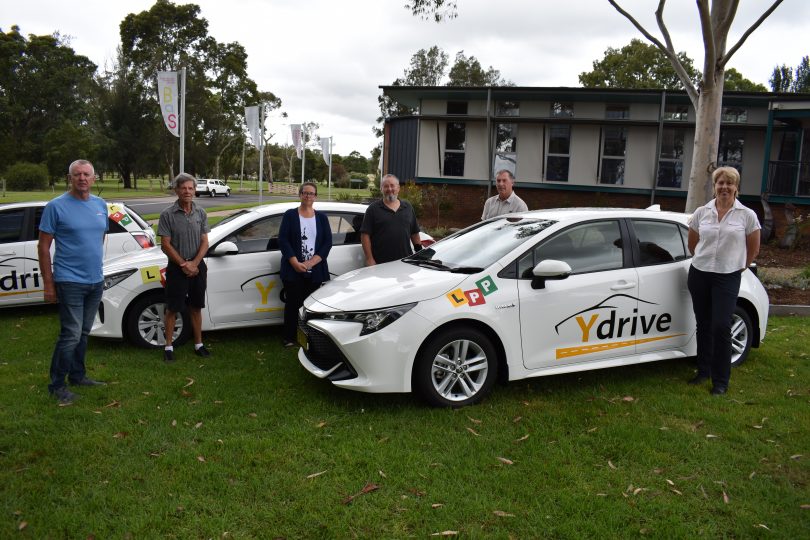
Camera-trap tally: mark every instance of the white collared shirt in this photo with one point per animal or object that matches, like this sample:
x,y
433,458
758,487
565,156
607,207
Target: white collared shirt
x,y
496,207
722,245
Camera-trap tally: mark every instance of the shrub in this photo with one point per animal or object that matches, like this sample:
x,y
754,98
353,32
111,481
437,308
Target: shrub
x,y
24,176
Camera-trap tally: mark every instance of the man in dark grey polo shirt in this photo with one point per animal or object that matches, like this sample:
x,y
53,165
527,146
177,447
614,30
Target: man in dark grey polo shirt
x,y
183,228
389,226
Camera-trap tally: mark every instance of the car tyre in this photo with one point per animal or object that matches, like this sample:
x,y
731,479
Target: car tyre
x,y
211,194
227,192
455,368
742,334
146,324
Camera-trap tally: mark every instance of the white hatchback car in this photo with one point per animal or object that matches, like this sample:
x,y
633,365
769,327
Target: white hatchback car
x,y
524,295
20,280
244,286
212,188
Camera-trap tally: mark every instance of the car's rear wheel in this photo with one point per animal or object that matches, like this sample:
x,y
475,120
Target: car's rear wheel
x,y
457,367
146,324
211,193
742,334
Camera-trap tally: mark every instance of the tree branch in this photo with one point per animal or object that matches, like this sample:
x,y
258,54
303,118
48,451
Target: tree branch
x,y
748,32
673,58
668,50
709,45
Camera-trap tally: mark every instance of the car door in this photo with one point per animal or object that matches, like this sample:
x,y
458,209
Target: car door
x,y
346,253
662,262
588,316
245,286
13,240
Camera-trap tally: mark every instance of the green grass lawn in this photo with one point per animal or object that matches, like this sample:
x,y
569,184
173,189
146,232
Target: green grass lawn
x,y
246,444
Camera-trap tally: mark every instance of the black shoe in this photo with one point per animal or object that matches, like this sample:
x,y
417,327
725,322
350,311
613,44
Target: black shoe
x,y
87,382
289,344
168,356
697,379
718,390
202,351
64,396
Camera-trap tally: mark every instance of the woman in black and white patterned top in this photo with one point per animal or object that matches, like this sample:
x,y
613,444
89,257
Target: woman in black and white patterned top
x,y
305,239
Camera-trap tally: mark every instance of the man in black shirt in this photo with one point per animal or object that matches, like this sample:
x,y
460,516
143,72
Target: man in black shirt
x,y
389,227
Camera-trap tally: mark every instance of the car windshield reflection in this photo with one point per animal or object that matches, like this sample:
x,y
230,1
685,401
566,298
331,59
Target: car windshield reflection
x,y
479,246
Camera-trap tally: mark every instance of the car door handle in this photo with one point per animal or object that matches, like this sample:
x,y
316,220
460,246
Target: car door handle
x,y
6,253
622,286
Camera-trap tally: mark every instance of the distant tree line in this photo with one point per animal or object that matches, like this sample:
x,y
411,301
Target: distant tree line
x,y
56,105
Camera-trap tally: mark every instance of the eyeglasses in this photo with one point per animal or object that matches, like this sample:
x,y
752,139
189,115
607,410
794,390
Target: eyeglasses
x,y
309,194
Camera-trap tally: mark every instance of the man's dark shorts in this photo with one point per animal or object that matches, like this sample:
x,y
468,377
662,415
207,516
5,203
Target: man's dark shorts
x,y
182,291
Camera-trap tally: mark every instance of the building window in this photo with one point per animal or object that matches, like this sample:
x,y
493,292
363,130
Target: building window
x,y
562,110
730,152
614,143
507,108
505,147
670,162
676,112
456,107
559,153
737,115
454,145
617,111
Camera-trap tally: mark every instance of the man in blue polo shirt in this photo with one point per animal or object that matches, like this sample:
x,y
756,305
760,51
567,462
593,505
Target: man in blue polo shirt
x,y
77,221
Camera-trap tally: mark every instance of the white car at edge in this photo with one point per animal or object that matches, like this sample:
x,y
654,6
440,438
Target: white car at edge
x,y
20,279
524,295
244,286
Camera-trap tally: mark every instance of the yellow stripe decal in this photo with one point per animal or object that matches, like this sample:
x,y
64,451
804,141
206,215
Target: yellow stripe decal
x,y
19,292
269,309
588,349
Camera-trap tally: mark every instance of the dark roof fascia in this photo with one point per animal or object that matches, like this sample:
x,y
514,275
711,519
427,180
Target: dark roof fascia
x,y
411,95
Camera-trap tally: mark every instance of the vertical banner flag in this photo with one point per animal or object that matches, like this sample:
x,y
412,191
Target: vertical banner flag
x,y
327,155
252,120
167,97
296,135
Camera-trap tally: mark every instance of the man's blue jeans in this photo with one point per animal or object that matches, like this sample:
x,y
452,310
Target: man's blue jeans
x,y
78,305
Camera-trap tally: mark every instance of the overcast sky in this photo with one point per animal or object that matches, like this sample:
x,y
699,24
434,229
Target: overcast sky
x,y
326,59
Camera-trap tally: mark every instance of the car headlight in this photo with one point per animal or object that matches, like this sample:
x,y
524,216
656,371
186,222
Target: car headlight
x,y
111,280
371,320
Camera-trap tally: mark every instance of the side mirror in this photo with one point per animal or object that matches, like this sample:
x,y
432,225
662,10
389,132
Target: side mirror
x,y
224,248
549,269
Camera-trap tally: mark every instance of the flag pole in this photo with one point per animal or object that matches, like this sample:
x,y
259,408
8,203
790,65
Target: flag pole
x,y
329,182
183,122
261,148
303,149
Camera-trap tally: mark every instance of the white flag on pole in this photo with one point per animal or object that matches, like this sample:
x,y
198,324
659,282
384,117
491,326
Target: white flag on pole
x,y
325,147
296,135
167,97
252,121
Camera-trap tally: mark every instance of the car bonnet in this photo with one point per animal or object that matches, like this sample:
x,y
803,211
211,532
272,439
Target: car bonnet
x,y
384,285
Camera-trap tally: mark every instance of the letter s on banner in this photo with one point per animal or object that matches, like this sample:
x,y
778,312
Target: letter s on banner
x,y
167,97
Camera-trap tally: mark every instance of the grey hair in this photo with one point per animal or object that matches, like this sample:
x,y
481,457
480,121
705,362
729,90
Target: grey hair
x,y
80,162
389,176
507,171
182,178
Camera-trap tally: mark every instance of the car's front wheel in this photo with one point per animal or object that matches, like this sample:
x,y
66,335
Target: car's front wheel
x,y
457,367
227,192
146,324
742,333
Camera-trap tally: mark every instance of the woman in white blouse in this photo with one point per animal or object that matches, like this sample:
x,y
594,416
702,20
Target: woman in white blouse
x,y
724,239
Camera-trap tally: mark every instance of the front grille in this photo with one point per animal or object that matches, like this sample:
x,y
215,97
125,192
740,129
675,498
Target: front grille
x,y
325,355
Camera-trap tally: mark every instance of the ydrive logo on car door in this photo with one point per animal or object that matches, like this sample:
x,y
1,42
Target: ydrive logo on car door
x,y
602,324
